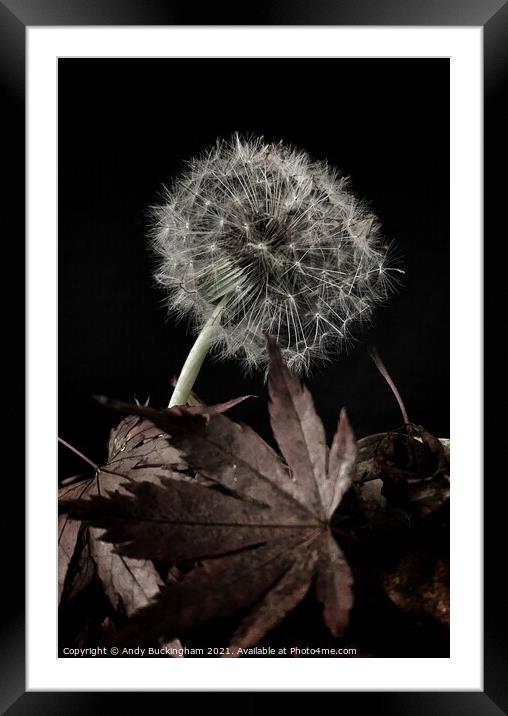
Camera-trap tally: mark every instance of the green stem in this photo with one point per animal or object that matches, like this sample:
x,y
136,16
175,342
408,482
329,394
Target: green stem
x,y
197,355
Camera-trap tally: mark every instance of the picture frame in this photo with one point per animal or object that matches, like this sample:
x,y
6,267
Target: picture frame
x,y
16,18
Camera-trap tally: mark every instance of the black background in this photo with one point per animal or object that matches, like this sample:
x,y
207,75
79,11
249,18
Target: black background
x,y
126,126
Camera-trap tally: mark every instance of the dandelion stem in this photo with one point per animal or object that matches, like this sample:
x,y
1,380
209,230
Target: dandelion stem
x,y
194,361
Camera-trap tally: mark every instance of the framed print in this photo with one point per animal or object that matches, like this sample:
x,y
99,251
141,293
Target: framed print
x,y
254,304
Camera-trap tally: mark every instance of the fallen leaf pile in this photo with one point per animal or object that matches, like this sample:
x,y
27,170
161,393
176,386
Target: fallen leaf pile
x,y
195,517
258,525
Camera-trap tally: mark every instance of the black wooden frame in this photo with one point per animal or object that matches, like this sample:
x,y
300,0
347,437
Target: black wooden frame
x,y
15,17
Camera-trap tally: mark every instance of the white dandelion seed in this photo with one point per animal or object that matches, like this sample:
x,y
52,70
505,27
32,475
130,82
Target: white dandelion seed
x,y
256,238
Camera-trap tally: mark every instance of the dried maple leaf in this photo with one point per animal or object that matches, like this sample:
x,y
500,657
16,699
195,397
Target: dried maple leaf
x,y
136,451
259,525
128,583
68,534
413,465
420,583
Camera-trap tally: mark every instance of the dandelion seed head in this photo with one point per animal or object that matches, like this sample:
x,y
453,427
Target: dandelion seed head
x,y
280,241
